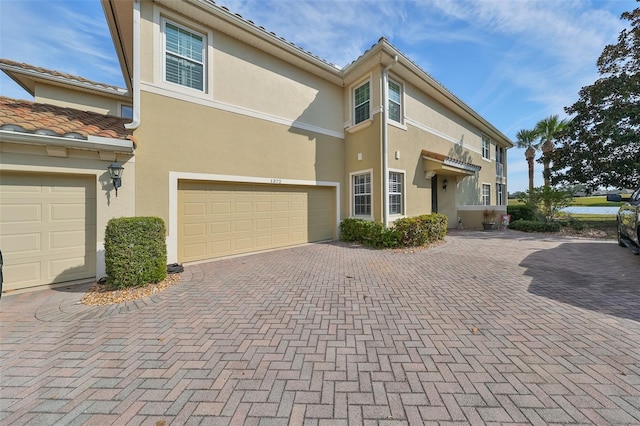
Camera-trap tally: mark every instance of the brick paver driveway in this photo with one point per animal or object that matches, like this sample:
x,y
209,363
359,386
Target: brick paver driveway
x,y
486,328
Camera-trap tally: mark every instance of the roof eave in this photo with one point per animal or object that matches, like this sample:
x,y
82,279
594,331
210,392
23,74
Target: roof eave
x,y
119,146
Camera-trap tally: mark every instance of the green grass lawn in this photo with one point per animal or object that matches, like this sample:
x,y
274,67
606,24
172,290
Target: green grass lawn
x,y
595,201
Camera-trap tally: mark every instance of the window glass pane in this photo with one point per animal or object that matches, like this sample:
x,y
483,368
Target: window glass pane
x,y
394,111
361,100
362,195
184,57
395,193
394,92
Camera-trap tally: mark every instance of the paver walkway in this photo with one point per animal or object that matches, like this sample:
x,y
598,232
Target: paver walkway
x,y
486,328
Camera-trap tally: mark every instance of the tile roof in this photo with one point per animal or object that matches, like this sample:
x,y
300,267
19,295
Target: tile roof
x,y
51,73
30,117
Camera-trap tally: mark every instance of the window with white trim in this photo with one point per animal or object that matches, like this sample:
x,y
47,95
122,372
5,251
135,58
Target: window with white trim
x,y
500,194
486,194
184,56
395,101
395,192
362,194
486,144
361,102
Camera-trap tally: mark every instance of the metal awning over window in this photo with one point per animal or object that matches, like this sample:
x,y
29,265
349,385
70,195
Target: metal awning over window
x,y
439,164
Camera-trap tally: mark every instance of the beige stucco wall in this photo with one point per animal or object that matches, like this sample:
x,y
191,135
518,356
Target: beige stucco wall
x,y
33,158
239,75
82,101
187,137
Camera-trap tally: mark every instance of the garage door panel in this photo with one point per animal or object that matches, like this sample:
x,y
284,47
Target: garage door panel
x,y
247,217
47,228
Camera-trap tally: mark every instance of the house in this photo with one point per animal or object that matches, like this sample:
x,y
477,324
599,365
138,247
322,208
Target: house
x,y
246,142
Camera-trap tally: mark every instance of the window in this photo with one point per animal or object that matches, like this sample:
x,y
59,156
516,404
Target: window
x,y
500,194
184,56
395,192
395,101
486,143
126,111
362,194
486,194
361,97
500,154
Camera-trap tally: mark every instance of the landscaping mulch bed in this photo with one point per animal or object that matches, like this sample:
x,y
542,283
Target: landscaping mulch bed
x,y
101,294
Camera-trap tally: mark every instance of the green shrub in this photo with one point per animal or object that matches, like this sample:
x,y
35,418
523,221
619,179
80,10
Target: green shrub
x,y
371,234
135,251
524,211
534,226
405,232
421,230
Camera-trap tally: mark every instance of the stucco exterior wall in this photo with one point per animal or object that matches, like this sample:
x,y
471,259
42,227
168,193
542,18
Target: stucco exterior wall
x,y
53,95
241,76
187,137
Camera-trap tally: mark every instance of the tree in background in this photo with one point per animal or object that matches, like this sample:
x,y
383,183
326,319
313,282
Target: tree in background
x,y
527,139
601,145
548,129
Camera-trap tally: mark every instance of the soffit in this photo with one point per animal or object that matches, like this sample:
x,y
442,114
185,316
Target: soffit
x,y
447,166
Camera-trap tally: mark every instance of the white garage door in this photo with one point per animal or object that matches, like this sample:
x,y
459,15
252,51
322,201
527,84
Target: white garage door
x,y
219,219
47,228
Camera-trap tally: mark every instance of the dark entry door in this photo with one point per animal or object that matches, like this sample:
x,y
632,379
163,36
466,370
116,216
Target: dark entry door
x,y
434,194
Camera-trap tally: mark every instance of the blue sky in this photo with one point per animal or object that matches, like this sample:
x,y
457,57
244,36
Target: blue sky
x,y
513,61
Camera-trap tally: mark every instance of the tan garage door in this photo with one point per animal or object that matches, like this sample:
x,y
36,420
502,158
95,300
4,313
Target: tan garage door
x,y
47,228
220,219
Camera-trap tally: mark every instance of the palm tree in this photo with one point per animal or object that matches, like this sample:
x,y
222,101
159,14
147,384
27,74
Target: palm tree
x,y
526,139
547,129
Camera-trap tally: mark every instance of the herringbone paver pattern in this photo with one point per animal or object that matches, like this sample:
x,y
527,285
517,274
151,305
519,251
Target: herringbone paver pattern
x,y
495,328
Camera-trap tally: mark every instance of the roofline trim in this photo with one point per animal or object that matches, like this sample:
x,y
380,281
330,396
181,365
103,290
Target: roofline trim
x,y
92,143
122,94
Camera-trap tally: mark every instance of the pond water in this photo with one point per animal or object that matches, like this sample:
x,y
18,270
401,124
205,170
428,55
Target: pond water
x,y
590,210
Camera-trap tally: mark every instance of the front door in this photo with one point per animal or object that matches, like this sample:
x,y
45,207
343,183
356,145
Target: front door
x,y
434,194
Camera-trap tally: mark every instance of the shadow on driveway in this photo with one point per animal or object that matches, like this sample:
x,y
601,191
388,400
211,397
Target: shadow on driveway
x,y
598,276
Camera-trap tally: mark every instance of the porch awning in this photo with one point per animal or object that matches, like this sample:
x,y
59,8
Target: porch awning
x,y
439,164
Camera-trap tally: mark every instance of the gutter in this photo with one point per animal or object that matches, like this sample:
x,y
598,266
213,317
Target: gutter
x,y
385,142
92,143
136,67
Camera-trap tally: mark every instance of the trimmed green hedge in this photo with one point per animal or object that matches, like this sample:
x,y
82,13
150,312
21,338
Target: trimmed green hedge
x,y
534,226
421,230
135,251
523,211
405,232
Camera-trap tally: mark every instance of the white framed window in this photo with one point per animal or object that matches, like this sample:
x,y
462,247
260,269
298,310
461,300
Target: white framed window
x,y
395,101
486,194
362,102
500,200
184,56
361,187
486,145
396,193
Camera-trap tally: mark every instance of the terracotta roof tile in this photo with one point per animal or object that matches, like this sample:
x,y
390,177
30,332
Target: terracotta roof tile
x,y
59,74
33,116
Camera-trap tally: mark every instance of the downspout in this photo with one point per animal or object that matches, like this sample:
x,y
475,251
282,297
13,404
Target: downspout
x,y
385,144
136,67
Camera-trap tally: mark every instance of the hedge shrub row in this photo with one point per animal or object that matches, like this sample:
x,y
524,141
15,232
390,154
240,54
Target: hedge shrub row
x,y
405,232
534,226
135,251
523,211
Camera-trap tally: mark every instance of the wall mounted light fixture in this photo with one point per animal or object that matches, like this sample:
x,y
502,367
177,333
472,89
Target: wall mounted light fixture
x,y
115,171
445,182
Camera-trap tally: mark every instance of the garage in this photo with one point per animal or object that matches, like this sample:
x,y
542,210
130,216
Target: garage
x,y
47,228
219,219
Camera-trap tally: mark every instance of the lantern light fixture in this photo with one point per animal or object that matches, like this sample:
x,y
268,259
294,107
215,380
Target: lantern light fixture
x,y
115,171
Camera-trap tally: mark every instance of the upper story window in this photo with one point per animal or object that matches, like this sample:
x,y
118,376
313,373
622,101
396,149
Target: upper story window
x,y
486,144
184,56
361,102
395,101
